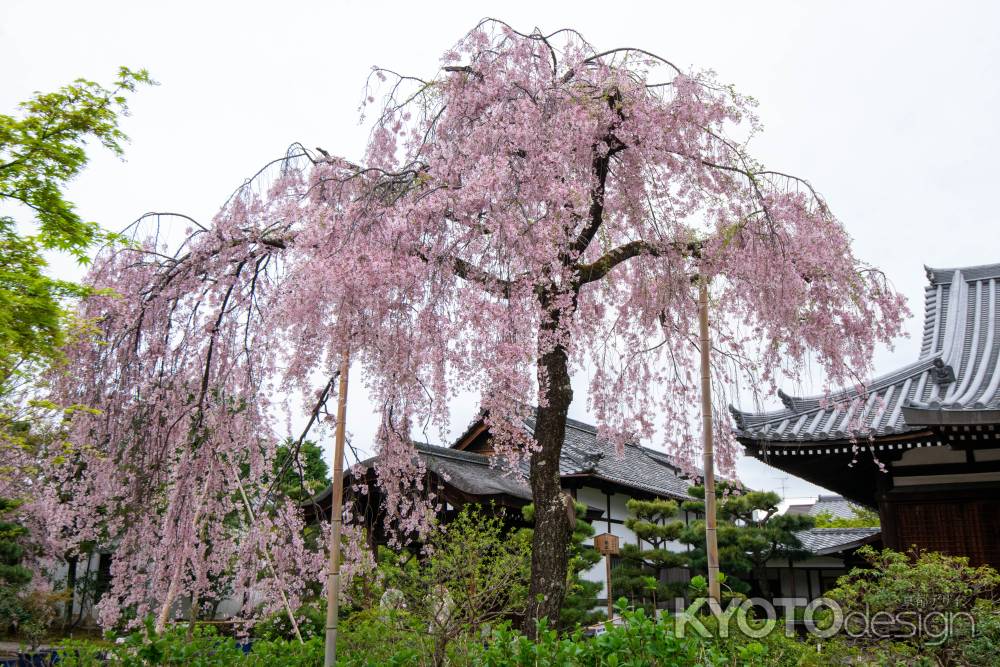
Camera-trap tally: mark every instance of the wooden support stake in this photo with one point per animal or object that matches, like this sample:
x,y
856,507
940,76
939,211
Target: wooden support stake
x,y
337,501
711,540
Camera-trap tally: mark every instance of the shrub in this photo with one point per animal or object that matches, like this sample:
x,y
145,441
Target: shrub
x,y
374,638
203,647
386,636
639,641
311,619
938,606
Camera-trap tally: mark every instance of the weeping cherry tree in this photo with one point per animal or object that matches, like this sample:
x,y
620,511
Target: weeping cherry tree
x,y
537,208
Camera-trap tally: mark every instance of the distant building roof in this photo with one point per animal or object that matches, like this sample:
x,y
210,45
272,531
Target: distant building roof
x,y
955,380
837,506
472,473
583,456
637,467
468,472
826,541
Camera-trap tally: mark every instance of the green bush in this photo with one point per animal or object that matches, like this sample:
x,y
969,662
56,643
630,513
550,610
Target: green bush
x,y
639,641
384,636
393,637
952,601
310,617
204,648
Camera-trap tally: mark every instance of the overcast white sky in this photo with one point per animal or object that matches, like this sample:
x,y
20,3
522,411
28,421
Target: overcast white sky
x,y
888,108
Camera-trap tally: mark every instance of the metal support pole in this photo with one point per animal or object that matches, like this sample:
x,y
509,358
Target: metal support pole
x,y
333,576
711,540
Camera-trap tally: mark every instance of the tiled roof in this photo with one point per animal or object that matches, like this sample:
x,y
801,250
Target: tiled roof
x,y
837,506
467,471
954,380
583,454
471,472
824,541
641,468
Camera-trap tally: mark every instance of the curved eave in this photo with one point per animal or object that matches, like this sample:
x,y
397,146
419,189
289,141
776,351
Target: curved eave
x,y
945,276
915,433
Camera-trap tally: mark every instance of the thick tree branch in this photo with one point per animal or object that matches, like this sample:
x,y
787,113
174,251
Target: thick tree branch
x,y
595,216
596,270
469,271
601,165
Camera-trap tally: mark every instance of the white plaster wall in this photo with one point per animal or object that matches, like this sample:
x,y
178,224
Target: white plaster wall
x,y
619,511
60,574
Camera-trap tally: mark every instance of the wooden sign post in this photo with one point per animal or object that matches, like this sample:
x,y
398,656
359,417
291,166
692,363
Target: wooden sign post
x,y
607,545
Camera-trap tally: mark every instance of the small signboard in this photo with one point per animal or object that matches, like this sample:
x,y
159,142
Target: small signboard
x,y
606,544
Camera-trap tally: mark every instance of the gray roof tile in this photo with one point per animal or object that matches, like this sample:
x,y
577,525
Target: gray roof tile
x,y
583,454
471,472
637,467
824,541
837,506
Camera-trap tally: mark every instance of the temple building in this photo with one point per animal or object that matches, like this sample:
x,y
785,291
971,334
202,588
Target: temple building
x,y
920,444
591,470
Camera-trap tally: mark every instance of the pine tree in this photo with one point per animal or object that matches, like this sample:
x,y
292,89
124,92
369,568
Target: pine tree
x,y
642,574
750,533
13,575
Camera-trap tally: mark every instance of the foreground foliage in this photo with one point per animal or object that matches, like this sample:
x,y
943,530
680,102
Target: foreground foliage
x,y
455,613
937,606
41,149
374,640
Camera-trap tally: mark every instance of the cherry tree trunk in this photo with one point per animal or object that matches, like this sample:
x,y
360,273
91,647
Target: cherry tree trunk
x,y
550,544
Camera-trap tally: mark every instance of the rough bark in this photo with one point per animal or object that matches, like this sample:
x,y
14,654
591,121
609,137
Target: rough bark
x,y
553,523
550,544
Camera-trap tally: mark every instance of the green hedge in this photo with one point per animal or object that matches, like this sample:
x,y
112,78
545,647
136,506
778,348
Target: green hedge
x,y
369,640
